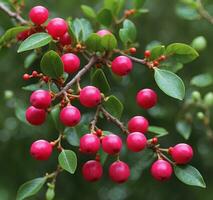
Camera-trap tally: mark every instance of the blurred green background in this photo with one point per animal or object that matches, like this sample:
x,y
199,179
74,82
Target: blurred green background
x,y
160,24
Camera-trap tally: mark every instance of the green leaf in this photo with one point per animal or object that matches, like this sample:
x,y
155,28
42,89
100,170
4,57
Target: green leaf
x,y
202,80
12,33
103,156
99,80
68,160
88,11
181,52
114,106
30,59
93,42
157,51
114,5
30,188
128,32
138,3
51,65
36,86
159,131
20,112
170,83
189,175
35,41
109,42
104,17
184,129
171,65
55,112
187,12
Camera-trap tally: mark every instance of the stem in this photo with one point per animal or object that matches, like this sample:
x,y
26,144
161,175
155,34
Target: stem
x,y
11,14
114,120
54,174
95,120
78,76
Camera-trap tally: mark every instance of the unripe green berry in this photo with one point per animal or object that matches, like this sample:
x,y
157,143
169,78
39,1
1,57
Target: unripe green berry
x,y
208,99
196,96
199,43
50,194
200,115
8,94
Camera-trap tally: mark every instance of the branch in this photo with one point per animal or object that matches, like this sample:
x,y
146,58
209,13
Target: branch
x,y
11,14
203,12
78,76
134,59
114,120
95,119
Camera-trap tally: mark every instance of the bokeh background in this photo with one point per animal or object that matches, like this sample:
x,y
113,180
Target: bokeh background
x,y
161,24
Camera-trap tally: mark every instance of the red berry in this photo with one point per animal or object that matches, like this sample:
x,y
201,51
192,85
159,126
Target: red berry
x,y
40,99
181,153
146,98
89,143
138,124
154,140
23,35
35,116
35,74
103,32
38,15
147,54
70,116
90,96
119,172
155,63
65,39
71,62
121,65
132,50
26,77
161,170
41,150
136,141
111,144
162,58
57,27
92,170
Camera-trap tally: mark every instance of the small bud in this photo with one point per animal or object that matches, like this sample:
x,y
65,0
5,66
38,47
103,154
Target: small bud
x,y
199,43
8,94
196,96
208,99
200,115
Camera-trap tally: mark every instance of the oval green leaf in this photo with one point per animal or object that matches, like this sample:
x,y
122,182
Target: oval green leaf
x,y
30,188
189,175
93,42
51,65
35,41
68,161
184,128
88,11
202,80
105,17
159,131
170,83
55,112
109,42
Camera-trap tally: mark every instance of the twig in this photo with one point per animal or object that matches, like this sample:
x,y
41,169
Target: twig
x,y
11,14
95,119
203,12
114,120
77,77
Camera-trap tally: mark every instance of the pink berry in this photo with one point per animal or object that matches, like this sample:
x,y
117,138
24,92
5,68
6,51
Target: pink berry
x,y
181,153
41,150
146,98
23,35
121,65
65,39
57,27
119,172
40,99
70,116
92,170
35,116
136,141
71,62
103,32
161,170
138,124
111,144
38,15
89,143
90,96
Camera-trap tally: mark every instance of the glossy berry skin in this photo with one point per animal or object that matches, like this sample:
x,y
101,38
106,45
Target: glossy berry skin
x,y
38,15
92,170
121,65
181,153
111,144
103,32
119,172
161,170
147,54
65,39
41,150
146,98
40,99
35,116
136,141
23,35
138,124
70,116
71,62
89,143
57,27
90,96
